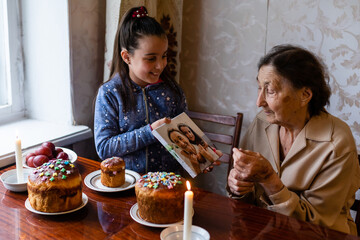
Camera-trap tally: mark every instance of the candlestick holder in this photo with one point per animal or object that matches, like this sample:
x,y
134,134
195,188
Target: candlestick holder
x,y
176,233
9,179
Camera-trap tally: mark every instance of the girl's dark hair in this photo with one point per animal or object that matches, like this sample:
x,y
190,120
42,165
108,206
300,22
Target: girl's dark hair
x,y
198,140
302,69
130,30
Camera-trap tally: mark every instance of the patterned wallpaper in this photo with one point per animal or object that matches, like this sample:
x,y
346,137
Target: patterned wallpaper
x,y
332,30
223,40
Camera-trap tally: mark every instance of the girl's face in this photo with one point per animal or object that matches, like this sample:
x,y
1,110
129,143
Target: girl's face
x,y
280,101
188,133
180,140
149,60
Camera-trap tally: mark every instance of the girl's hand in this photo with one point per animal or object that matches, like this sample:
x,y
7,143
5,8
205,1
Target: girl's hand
x,y
238,186
160,122
208,169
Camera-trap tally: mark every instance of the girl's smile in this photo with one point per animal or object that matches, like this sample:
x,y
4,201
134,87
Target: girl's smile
x,y
148,60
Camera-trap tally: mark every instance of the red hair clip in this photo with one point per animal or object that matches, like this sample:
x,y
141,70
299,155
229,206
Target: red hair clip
x,y
141,12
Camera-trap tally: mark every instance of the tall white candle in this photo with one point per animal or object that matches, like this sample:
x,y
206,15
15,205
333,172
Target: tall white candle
x,y
188,211
19,164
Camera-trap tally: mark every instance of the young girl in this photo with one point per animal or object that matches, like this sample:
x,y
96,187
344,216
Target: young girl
x,y
139,96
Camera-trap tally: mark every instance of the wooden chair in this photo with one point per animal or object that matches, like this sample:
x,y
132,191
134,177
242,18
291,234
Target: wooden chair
x,y
356,207
218,120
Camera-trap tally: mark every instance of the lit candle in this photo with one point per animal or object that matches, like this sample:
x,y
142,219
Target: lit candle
x,y
19,165
188,211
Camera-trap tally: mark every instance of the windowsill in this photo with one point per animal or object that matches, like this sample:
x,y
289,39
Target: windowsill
x,y
34,132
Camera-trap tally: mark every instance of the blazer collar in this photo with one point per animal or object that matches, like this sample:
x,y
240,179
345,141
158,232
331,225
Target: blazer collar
x,y
318,128
272,137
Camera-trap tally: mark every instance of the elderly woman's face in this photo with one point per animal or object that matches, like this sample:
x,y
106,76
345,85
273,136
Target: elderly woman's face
x,y
280,101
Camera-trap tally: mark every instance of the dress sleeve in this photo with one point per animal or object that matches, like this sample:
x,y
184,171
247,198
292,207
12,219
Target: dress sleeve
x,y
110,140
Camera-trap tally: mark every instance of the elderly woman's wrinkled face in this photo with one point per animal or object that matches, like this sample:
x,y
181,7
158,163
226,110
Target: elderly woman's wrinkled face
x,y
280,101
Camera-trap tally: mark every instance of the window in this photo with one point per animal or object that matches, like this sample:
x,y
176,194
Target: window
x,y
3,78
28,34
11,65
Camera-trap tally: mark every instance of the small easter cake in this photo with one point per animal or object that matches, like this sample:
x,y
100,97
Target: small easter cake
x,y
113,172
55,186
160,197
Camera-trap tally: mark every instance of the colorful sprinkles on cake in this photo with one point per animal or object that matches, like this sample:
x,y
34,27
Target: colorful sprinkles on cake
x,y
58,169
153,179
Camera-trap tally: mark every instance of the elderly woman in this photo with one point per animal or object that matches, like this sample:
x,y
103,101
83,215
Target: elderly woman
x,y
296,158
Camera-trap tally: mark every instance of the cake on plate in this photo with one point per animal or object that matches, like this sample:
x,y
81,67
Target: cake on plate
x,y
113,172
160,197
55,186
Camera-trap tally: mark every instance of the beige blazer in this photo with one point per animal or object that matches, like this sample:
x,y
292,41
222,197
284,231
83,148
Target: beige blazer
x,y
321,171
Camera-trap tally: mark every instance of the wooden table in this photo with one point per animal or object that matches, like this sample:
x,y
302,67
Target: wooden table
x,y
107,216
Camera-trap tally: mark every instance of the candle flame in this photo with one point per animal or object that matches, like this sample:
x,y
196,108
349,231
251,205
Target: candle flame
x,y
188,185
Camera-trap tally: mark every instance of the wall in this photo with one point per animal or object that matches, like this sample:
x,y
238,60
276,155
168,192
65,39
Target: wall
x,y
223,40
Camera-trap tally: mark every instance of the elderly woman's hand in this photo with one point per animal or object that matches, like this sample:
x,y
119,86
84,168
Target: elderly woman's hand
x,y
237,185
253,167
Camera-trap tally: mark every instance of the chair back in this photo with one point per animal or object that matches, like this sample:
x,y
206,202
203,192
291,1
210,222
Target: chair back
x,y
223,138
356,207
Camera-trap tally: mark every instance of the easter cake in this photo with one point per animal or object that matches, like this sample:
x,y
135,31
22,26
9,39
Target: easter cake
x,y
113,172
160,197
55,186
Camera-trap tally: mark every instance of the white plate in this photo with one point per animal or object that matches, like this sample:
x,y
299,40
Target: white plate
x,y
72,155
9,179
176,233
134,213
84,202
93,181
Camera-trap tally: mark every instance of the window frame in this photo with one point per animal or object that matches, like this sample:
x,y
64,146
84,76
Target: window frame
x,y
14,109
